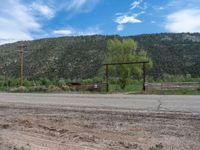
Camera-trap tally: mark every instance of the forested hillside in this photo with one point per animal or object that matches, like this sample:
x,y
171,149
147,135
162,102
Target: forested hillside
x,y
81,57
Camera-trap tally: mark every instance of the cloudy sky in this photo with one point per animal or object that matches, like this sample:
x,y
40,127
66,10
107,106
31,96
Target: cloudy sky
x,y
33,19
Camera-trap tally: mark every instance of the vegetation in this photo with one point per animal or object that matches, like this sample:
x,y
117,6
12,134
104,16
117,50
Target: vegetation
x,y
81,57
134,87
122,51
177,92
157,147
174,78
51,64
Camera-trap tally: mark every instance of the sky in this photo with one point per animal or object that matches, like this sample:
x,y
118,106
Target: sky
x,y
35,19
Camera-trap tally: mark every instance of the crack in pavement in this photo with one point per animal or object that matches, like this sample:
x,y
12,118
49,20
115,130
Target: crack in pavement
x,y
159,104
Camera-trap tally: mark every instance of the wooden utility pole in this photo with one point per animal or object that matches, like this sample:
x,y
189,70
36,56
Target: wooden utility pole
x,y
107,85
22,46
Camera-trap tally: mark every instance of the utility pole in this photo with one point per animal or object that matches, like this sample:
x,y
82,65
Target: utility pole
x,y
107,84
21,47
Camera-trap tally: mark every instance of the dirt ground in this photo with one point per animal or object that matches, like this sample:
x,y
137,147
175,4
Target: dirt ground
x,y
42,127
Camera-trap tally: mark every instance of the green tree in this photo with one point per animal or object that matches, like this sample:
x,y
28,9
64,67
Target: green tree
x,y
126,50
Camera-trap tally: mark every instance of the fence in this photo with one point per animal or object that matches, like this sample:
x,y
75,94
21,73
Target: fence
x,y
173,85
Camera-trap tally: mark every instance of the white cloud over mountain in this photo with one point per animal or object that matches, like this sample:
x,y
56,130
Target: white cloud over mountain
x,y
75,32
124,19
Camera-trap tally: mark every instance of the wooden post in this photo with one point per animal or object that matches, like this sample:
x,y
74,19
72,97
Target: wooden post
x,y
144,76
107,85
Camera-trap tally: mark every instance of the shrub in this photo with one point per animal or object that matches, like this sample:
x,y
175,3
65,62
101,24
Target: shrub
x,y
97,80
61,83
14,82
53,88
66,88
45,82
67,81
1,78
2,83
20,89
38,89
27,83
87,81
157,147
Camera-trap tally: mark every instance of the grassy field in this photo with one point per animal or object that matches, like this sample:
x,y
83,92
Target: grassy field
x,y
137,88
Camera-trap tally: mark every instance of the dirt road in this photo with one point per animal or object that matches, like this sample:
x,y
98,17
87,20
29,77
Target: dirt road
x,y
98,122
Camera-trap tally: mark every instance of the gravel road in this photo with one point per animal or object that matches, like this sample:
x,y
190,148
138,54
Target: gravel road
x,y
129,102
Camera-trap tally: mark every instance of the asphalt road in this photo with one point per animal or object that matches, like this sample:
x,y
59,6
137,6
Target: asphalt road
x,y
129,102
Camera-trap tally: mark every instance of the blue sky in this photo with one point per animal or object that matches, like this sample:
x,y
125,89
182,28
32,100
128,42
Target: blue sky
x,y
33,19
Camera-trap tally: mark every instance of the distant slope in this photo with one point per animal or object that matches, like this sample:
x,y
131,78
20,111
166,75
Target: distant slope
x,y
81,57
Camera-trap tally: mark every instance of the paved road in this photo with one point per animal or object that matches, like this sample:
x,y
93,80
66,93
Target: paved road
x,y
130,102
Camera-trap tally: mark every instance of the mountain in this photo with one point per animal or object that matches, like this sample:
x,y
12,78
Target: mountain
x,y
81,57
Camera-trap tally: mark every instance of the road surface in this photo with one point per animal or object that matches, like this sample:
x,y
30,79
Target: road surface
x,y
129,102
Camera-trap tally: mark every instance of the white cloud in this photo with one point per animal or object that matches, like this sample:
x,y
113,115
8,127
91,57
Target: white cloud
x,y
129,16
136,4
187,20
120,27
121,20
16,22
43,9
64,32
75,32
127,19
21,20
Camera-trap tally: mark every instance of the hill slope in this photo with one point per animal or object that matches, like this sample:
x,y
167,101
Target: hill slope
x,y
81,57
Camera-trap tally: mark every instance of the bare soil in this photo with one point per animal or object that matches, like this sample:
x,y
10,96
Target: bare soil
x,y
42,127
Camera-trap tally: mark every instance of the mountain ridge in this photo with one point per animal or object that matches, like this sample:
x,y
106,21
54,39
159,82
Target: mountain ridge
x,y
81,57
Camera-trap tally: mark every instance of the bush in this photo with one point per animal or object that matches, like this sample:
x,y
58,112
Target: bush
x,y
61,83
1,78
45,82
157,147
65,88
2,83
14,82
27,83
38,89
97,80
20,89
87,81
53,88
68,81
